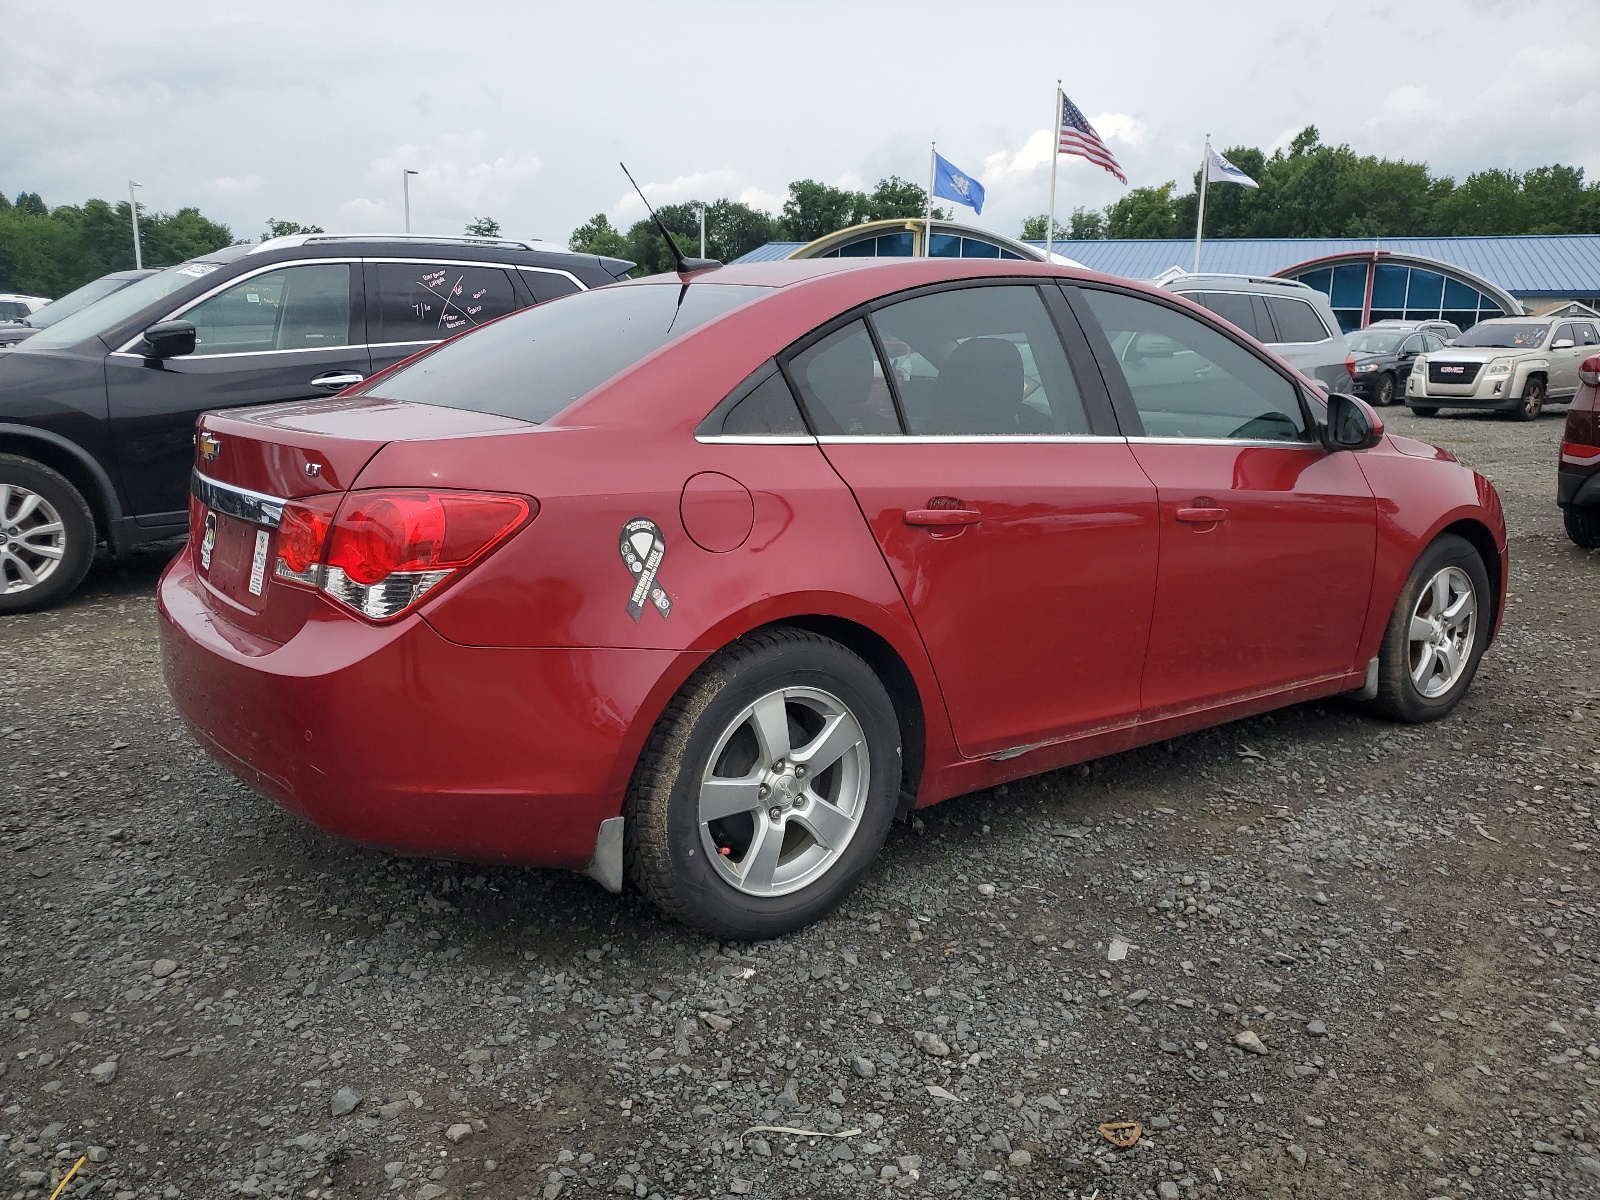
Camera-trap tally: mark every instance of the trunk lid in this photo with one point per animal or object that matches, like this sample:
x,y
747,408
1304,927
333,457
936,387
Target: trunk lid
x,y
248,462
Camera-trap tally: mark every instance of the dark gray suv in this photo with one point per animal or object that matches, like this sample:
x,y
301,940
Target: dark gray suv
x,y
97,412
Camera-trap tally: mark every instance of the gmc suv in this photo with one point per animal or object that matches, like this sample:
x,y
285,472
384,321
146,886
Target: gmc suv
x,y
1511,364
97,412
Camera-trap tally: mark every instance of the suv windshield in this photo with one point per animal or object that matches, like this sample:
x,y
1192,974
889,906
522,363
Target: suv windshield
x,y
109,312
82,297
1491,333
1365,341
531,365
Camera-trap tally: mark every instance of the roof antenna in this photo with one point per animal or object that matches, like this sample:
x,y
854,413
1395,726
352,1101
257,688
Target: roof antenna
x,y
685,266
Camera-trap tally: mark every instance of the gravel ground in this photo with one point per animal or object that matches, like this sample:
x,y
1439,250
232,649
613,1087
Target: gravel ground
x,y
1312,953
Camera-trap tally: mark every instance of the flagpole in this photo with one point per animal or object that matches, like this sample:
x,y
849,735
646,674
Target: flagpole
x,y
927,234
1200,216
1055,155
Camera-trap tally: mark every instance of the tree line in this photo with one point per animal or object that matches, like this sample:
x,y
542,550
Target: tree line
x,y
1312,190
1307,189
811,210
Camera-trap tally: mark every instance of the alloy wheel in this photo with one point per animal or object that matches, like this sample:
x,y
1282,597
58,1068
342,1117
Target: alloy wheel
x,y
1532,399
33,539
785,791
1444,623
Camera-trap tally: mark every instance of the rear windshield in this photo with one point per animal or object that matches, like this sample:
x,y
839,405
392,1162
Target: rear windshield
x,y
534,363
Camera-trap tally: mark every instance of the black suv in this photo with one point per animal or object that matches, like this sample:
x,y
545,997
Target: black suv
x,y
1381,356
97,412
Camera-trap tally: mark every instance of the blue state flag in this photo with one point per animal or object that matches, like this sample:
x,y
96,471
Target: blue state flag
x,y
951,184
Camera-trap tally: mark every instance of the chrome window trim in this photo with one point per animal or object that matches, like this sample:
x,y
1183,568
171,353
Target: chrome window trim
x,y
755,439
236,501
253,353
124,349
972,439
1252,442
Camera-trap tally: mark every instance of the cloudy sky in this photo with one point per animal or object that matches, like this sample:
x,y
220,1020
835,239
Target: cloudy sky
x,y
520,111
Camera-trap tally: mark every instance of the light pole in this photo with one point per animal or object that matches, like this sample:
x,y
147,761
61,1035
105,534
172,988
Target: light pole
x,y
133,207
702,231
405,184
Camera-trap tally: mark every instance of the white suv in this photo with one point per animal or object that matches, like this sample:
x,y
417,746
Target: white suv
x,y
1511,364
1296,321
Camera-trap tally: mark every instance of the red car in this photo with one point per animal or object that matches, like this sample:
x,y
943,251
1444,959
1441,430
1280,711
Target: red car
x,y
1578,474
700,580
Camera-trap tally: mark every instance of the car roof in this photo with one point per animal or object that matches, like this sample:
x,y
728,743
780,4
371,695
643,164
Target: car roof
x,y
513,251
1266,285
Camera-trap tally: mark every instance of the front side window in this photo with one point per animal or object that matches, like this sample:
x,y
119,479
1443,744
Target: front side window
x,y
1412,345
1565,332
1189,380
983,361
295,308
1432,342
429,301
843,386
1297,321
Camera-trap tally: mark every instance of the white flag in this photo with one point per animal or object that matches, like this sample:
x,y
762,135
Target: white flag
x,y
1220,170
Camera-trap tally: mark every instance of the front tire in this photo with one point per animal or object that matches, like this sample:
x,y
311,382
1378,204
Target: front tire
x,y
767,787
1437,634
1531,402
1583,524
47,535
1385,393
1425,410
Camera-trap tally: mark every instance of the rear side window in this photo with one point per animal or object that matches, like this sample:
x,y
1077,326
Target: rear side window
x,y
1234,307
1297,321
1585,333
425,302
533,364
768,411
983,361
547,285
843,386
1189,380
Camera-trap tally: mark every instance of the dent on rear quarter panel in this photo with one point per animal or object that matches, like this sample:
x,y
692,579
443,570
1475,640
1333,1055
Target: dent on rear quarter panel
x,y
1418,498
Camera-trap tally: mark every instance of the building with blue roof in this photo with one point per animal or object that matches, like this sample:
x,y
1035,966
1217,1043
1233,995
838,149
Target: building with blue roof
x,y
1461,279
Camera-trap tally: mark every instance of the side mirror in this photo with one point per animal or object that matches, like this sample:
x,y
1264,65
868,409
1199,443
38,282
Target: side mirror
x,y
1562,344
169,339
1351,424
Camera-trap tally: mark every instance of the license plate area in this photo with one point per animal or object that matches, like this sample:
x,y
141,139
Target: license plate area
x,y
240,558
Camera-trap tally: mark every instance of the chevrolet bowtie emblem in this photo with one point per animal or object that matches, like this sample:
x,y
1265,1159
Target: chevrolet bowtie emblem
x,y
210,447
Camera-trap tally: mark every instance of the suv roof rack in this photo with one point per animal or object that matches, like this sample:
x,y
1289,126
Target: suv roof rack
x,y
1173,274
442,239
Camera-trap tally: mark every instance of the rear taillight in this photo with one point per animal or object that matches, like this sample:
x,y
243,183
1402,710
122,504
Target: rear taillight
x,y
1589,371
1579,454
379,553
1350,365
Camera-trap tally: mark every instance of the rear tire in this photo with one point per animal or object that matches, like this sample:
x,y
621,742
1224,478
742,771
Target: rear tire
x,y
47,536
1583,524
1424,410
1437,634
1531,403
766,788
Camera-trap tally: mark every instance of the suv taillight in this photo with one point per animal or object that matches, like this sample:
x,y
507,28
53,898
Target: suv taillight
x,y
1589,371
1350,365
379,553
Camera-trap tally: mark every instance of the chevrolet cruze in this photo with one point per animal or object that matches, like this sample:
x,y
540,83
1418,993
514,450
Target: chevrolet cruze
x,y
697,581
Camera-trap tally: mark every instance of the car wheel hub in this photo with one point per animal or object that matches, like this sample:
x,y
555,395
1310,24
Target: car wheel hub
x,y
784,792
33,539
1444,623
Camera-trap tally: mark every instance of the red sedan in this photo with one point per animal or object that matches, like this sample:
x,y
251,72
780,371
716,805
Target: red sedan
x,y
699,581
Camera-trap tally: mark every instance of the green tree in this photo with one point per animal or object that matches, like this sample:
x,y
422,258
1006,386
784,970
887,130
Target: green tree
x,y
815,209
598,236
733,229
1144,212
277,228
896,197
483,227
1085,224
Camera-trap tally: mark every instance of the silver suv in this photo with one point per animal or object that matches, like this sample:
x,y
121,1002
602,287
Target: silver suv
x,y
1510,364
1294,320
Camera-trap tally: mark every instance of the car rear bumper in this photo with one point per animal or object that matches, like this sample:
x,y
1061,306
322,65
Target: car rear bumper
x,y
1577,487
397,738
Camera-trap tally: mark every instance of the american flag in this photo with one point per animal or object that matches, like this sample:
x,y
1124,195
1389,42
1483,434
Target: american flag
x,y
1078,137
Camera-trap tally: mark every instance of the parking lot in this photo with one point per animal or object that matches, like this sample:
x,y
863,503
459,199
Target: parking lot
x,y
1311,953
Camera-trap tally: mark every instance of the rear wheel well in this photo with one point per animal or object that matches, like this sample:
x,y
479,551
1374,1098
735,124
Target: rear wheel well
x,y
897,680
68,464
1481,540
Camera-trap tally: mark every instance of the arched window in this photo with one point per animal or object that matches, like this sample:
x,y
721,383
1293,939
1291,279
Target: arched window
x,y
1399,292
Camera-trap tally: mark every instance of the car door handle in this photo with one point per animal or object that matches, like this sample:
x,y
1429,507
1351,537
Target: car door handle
x,y
1202,516
942,516
337,380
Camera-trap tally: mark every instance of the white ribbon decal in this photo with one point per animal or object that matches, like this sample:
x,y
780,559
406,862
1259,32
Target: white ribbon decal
x,y
643,548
